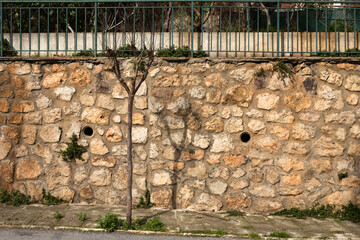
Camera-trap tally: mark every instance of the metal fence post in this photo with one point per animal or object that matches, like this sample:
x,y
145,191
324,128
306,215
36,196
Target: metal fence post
x,y
1,29
278,29
192,29
95,29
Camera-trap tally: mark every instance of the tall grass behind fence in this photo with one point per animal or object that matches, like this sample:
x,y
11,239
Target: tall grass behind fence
x,y
231,28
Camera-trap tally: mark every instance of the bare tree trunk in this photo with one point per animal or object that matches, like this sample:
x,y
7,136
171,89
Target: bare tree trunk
x,y
129,159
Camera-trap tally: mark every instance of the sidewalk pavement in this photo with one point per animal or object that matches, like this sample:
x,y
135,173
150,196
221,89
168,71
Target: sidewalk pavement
x,y
42,217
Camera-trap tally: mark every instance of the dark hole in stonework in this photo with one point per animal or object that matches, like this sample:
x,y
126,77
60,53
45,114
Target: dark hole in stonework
x,y
245,137
102,117
88,131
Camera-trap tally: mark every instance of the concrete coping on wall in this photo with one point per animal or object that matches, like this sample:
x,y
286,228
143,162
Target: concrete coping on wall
x,y
333,60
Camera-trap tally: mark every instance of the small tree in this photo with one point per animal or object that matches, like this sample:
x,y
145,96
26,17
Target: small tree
x,y
142,60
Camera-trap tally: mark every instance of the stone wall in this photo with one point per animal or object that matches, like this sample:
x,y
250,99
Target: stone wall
x,y
192,122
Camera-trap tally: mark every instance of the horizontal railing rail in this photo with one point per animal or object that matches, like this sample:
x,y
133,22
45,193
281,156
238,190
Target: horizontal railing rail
x,y
216,28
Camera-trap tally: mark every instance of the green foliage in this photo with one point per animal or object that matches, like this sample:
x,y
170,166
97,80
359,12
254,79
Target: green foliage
x,y
350,212
342,175
84,53
253,235
17,199
5,197
81,216
259,80
180,52
352,52
339,26
280,235
247,227
154,225
58,215
14,199
111,223
234,213
282,70
191,151
51,200
141,66
73,150
218,233
145,203
8,50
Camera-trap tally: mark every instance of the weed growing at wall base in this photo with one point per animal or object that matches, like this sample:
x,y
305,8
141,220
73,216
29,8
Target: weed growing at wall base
x,y
51,200
112,222
349,212
14,199
145,203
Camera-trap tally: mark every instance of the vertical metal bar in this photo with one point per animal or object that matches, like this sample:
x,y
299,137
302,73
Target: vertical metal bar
x,y
248,27
95,28
258,28
153,30
278,29
181,27
162,28
202,29
355,32
307,29
239,21
11,27
57,30
124,34
29,32
1,29
345,31
84,45
211,28
297,30
134,27
316,26
106,28
230,29
172,26
39,31
267,32
192,28
326,30
48,32
76,27
20,31
336,33
66,31
220,30
144,27
288,29
115,16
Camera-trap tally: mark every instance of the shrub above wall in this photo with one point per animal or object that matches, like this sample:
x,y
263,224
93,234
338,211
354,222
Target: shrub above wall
x,y
208,135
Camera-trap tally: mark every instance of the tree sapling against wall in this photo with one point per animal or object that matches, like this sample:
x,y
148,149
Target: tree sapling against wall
x,y
142,61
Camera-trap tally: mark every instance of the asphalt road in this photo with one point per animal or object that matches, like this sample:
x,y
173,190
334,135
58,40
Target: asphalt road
x,y
32,234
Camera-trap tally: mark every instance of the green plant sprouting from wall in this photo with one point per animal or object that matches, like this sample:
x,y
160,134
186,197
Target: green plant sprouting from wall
x,y
15,198
73,150
282,70
145,203
51,200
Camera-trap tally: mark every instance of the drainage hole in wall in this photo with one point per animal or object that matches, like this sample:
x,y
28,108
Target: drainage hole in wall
x,y
245,137
88,131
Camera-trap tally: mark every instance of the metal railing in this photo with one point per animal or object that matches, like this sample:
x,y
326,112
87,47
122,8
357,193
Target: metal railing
x,y
219,28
